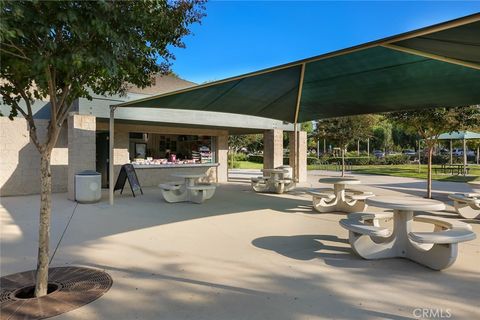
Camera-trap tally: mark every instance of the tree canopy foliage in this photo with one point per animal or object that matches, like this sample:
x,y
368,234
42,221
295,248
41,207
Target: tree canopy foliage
x,y
430,123
64,50
345,130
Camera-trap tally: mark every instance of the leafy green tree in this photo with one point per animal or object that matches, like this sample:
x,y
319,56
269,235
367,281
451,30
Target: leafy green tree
x,y
345,130
63,50
255,143
382,135
235,143
430,123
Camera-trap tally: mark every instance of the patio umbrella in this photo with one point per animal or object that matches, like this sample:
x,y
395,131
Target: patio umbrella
x,y
433,66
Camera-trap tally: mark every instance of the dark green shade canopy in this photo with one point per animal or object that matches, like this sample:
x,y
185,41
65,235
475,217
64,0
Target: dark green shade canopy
x,y
438,66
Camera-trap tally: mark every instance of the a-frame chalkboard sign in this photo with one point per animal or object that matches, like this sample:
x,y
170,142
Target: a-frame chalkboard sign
x,y
127,172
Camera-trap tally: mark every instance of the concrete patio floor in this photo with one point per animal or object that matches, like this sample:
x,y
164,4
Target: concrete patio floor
x,y
240,255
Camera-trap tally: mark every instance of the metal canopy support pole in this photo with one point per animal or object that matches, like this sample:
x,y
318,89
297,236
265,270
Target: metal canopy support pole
x,y
464,156
295,158
433,56
296,168
368,147
451,152
419,157
111,157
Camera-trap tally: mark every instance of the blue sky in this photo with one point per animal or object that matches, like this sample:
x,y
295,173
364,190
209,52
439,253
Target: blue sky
x,y
237,37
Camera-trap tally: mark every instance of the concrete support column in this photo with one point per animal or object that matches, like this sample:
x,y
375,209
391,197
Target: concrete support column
x,y
302,149
222,158
272,148
81,147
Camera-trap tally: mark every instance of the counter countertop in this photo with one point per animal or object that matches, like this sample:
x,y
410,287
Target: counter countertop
x,y
166,166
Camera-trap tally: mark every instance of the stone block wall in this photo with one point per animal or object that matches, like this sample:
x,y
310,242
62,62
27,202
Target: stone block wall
x,y
222,158
20,159
81,147
272,148
302,148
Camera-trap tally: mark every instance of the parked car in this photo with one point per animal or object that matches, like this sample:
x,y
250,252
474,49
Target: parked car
x,y
392,153
379,153
409,152
459,152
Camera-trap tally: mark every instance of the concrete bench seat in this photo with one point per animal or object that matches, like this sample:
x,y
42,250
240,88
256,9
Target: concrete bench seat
x,y
259,179
442,237
321,194
173,191
358,196
444,223
356,191
201,187
169,186
467,197
269,184
447,231
470,194
285,181
201,192
466,205
357,226
365,216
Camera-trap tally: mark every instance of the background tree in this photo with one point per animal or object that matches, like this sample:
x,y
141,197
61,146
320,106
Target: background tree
x,y
62,50
345,130
382,135
235,143
255,143
430,123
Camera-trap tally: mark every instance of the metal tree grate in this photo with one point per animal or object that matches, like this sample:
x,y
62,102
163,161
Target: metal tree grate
x,y
75,287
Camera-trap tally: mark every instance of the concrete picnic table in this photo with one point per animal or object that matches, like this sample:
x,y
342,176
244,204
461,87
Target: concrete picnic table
x,y
276,182
339,201
475,185
467,204
437,249
191,190
190,178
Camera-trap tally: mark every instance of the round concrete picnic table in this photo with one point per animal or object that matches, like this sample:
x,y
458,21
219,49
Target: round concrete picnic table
x,y
189,177
276,174
339,203
474,184
398,243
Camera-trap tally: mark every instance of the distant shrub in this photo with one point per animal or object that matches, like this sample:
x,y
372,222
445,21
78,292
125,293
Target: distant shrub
x,y
241,157
257,158
397,159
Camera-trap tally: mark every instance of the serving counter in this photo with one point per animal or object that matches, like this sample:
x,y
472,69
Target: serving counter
x,y
151,175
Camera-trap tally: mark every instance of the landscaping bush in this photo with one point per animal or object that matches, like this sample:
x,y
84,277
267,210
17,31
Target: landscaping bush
x,y
236,165
286,161
397,159
257,158
241,157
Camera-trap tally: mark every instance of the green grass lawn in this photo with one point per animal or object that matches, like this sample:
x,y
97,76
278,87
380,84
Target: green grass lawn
x,y
411,171
248,165
407,170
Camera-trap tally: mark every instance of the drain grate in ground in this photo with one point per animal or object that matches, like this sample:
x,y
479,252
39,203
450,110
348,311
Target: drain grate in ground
x,y
69,288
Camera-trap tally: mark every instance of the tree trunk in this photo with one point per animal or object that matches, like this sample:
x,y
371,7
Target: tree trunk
x,y
429,174
343,162
44,226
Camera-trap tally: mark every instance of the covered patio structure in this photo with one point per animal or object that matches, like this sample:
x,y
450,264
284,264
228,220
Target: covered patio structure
x,y
430,67
460,135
